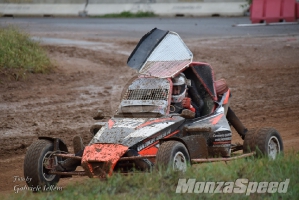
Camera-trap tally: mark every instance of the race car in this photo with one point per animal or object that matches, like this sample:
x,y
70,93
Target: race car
x,y
148,131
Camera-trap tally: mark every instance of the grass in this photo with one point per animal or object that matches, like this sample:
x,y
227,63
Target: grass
x,y
127,14
20,55
163,184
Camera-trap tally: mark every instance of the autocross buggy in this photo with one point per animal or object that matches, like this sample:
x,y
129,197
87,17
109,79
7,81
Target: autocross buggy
x,y
144,132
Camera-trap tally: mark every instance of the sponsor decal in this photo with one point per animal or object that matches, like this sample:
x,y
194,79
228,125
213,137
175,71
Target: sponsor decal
x,y
222,138
153,140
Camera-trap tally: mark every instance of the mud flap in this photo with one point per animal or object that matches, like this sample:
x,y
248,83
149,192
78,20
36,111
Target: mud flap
x,y
99,160
197,146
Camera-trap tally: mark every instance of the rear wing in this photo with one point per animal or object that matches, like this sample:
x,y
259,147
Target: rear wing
x,y
161,54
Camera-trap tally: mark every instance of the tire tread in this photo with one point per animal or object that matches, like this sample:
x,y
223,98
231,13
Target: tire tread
x,y
31,161
249,144
255,140
164,153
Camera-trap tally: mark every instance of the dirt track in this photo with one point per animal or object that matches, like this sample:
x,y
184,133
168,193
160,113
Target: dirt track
x,y
261,72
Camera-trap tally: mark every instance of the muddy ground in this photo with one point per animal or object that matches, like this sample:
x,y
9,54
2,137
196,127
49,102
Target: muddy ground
x,y
261,72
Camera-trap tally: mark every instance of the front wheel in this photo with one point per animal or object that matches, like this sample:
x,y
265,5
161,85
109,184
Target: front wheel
x,y
173,155
37,159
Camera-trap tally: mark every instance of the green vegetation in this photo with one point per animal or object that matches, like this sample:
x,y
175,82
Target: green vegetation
x,y
127,14
163,184
20,55
246,5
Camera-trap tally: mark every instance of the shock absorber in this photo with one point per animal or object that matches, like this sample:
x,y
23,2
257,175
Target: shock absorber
x,y
236,123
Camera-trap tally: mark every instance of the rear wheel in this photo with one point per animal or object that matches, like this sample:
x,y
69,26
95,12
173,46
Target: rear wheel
x,y
173,155
38,160
267,141
249,144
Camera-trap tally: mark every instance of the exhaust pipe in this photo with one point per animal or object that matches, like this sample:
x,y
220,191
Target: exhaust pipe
x,y
236,123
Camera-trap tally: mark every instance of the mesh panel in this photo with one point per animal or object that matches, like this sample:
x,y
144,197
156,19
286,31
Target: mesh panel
x,y
163,68
171,48
146,94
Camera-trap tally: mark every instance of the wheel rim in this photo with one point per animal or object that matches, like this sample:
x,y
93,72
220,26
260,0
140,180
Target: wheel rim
x,y
273,147
179,162
45,171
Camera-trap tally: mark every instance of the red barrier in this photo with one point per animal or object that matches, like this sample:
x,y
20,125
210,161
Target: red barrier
x,y
297,11
270,11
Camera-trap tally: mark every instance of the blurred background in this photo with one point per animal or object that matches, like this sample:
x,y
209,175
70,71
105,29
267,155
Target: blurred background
x,y
170,8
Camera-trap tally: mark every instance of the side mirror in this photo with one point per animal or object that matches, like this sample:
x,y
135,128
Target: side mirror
x,y
96,127
188,114
98,115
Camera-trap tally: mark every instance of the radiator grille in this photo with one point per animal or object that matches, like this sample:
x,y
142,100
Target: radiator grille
x,y
146,94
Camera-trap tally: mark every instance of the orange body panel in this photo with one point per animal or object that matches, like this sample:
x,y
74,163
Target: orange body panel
x,y
100,159
152,150
216,119
227,97
110,123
